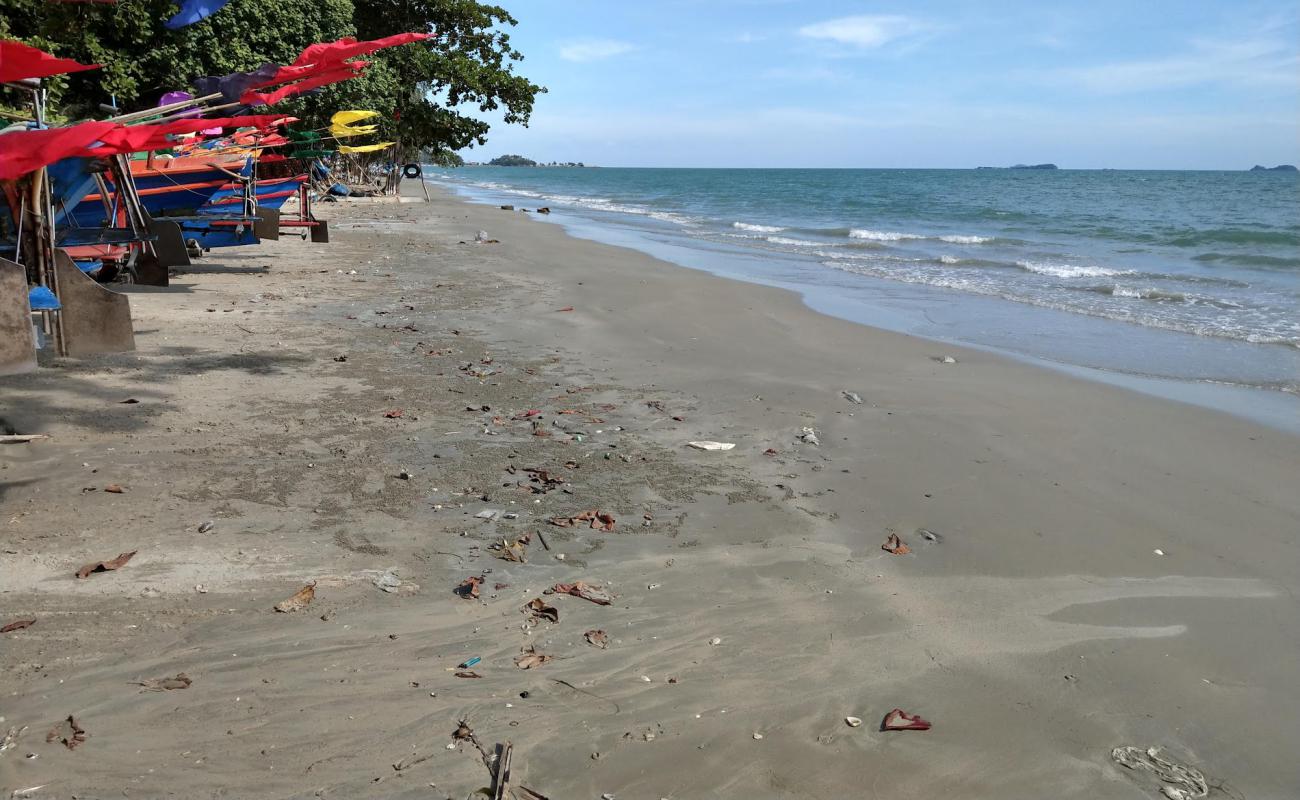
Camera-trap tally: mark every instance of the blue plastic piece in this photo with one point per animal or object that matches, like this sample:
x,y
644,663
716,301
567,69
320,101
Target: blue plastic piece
x,y
40,298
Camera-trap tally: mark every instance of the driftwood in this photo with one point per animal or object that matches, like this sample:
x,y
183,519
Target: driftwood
x,y
501,779
19,438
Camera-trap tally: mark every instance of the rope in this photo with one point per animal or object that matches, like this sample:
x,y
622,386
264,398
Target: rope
x,y
1188,782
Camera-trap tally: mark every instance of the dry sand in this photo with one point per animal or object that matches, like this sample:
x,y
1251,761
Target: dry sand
x,y
1038,634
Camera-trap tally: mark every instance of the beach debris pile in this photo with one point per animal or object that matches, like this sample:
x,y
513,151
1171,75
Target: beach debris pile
x,y
1182,782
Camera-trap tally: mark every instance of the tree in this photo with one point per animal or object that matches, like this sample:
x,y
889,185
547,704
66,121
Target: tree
x,y
512,161
416,88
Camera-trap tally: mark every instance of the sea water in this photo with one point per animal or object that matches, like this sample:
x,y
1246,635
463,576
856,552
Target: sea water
x,y
1177,281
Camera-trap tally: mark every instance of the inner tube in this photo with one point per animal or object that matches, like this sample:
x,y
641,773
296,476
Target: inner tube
x,y
411,170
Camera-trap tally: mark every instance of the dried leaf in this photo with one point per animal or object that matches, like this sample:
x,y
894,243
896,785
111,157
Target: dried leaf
x,y
597,638
106,566
468,673
468,588
181,681
895,545
538,608
531,658
515,552
586,591
115,488
74,736
393,414
598,519
300,600
18,625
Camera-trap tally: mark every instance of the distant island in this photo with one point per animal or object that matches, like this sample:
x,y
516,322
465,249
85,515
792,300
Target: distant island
x,y
1024,166
1278,168
520,161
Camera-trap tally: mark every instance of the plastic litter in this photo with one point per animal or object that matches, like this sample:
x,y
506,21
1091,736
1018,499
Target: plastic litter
x,y
1186,782
809,436
469,663
711,445
900,720
852,397
388,582
207,526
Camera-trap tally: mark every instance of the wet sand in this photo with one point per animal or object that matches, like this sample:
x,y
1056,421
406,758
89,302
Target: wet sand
x,y
1039,631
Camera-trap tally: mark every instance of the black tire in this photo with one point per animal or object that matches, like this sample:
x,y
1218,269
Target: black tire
x,y
411,170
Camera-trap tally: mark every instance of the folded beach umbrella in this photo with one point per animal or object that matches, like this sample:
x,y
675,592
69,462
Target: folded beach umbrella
x,y
193,11
18,61
366,148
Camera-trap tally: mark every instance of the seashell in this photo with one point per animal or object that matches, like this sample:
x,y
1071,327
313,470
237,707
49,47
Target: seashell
x,y
853,722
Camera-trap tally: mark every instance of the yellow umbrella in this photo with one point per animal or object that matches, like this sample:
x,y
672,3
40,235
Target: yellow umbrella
x,y
366,148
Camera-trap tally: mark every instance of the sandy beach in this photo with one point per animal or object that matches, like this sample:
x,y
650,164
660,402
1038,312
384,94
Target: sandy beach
x,y
1098,568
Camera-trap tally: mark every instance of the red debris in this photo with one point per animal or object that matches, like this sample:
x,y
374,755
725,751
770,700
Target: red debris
x,y
18,625
900,720
895,545
106,566
393,414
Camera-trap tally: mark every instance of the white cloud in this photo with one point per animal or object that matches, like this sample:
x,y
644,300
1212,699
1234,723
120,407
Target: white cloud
x,y
1245,63
865,32
594,49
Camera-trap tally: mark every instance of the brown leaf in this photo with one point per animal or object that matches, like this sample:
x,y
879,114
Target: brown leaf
x,y
18,625
515,552
586,591
597,638
468,588
468,673
538,608
106,566
115,488
300,600
181,681
598,519
895,545
531,658
393,414
70,736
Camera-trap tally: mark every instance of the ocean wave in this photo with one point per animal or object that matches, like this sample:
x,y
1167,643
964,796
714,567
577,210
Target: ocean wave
x,y
1250,260
895,236
966,239
1247,329
795,242
1070,270
746,226
881,236
1132,293
950,260
1196,238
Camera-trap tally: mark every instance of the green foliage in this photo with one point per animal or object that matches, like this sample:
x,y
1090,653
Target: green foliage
x,y
416,88
512,161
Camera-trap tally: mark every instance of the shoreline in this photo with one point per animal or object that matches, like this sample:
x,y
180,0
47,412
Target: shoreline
x,y
1039,611
908,309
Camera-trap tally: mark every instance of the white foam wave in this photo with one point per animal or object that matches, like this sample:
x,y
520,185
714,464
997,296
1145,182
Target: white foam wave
x,y
949,260
795,242
881,236
1069,270
894,236
745,226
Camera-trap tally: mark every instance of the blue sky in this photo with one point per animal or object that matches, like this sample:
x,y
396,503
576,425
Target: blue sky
x,y
790,83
